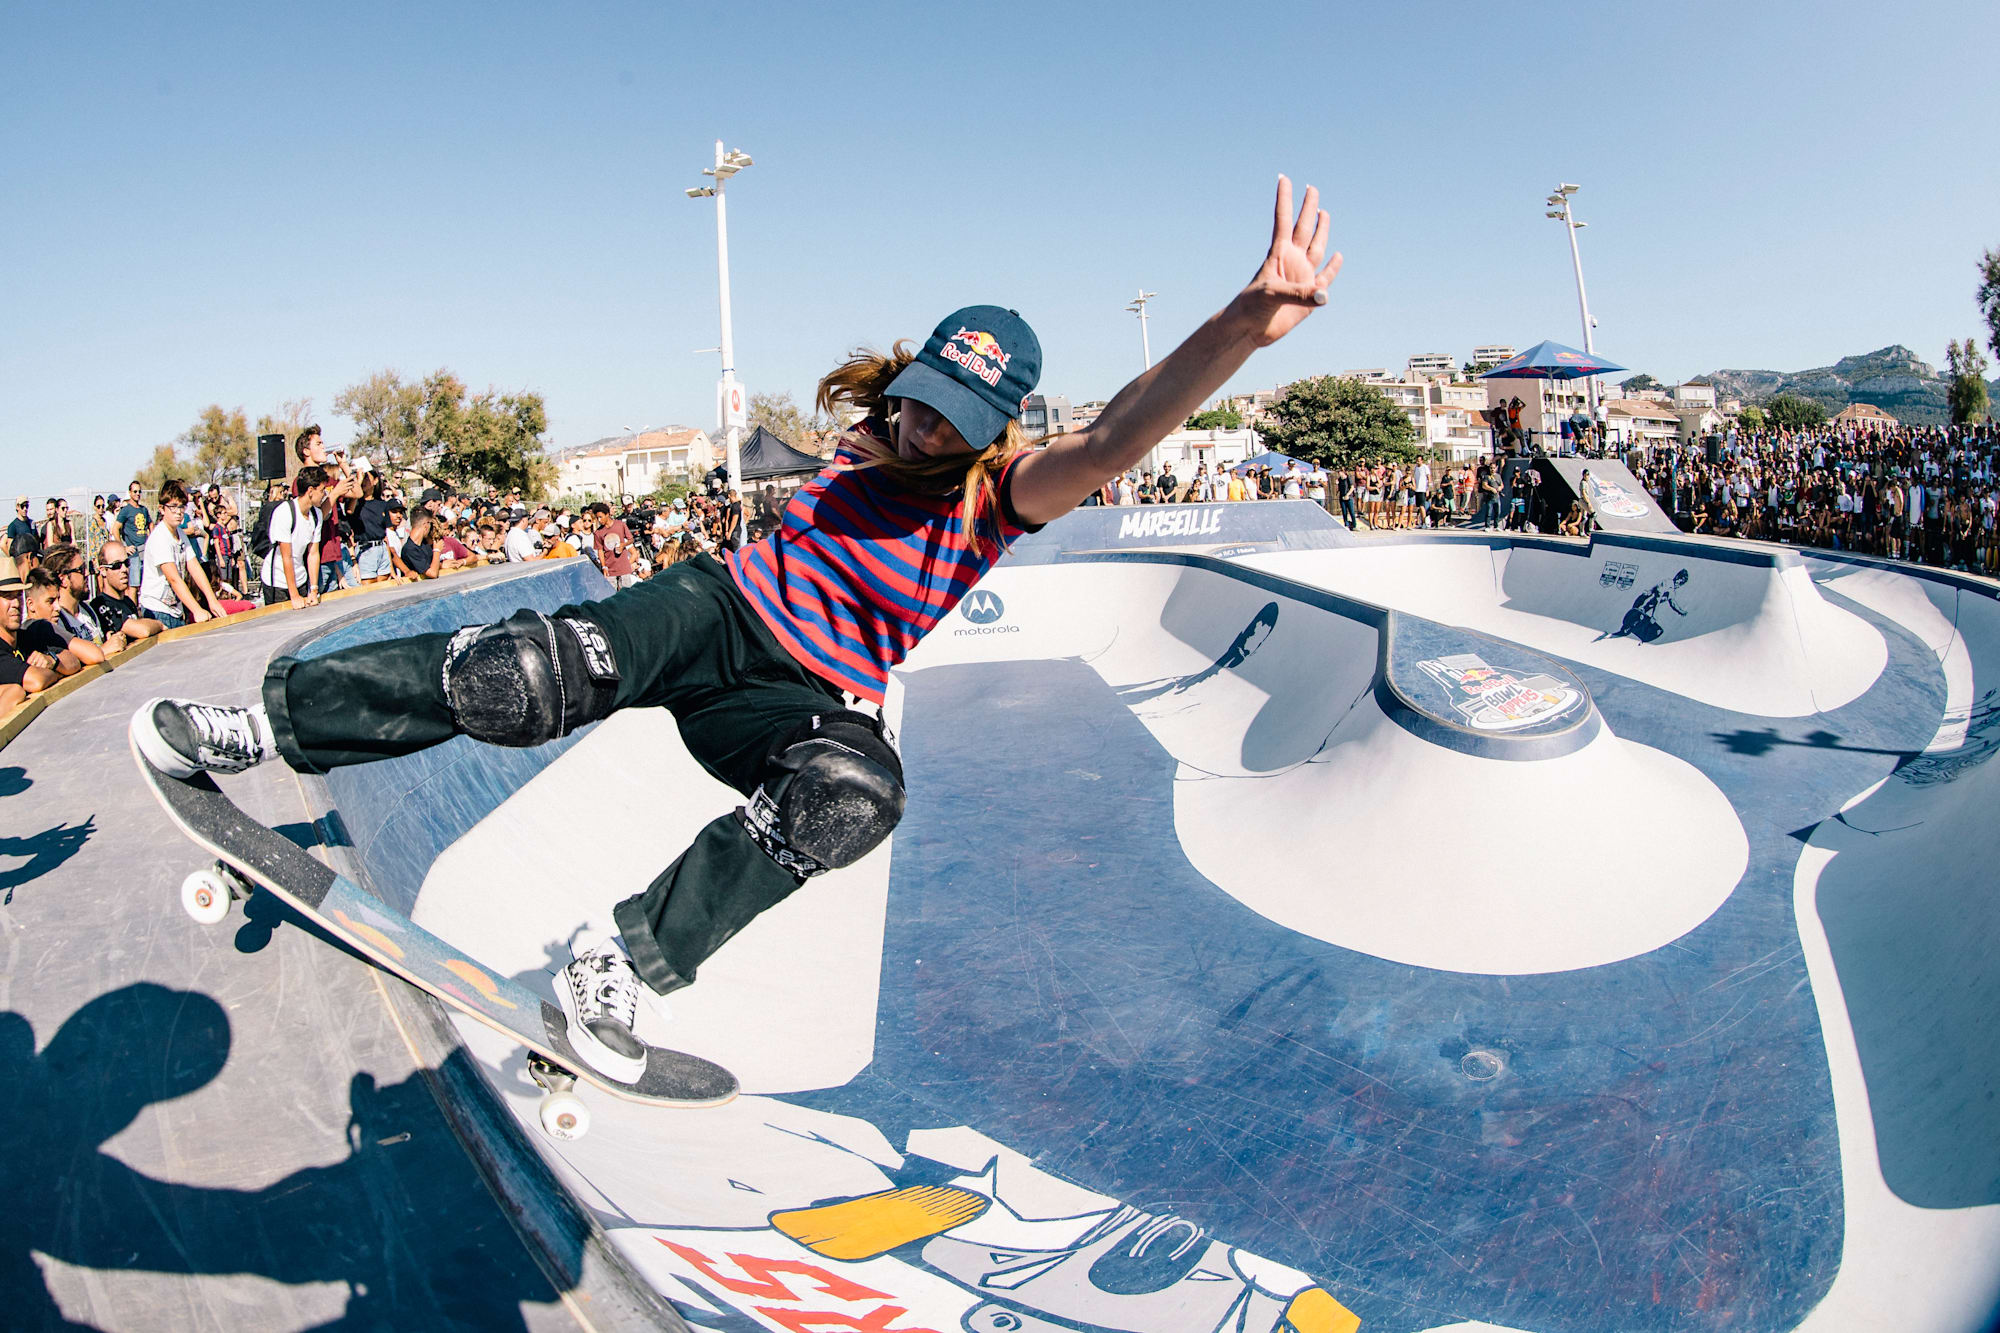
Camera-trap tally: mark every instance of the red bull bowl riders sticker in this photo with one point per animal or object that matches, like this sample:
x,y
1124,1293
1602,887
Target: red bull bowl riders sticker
x,y
1608,497
1492,698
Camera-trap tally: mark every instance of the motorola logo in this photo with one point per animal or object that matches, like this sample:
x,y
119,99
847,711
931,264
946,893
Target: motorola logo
x,y
982,608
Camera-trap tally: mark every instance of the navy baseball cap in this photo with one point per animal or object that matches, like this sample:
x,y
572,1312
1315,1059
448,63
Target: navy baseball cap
x,y
975,368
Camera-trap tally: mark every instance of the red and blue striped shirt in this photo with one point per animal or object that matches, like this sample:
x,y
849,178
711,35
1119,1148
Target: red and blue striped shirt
x,y
861,568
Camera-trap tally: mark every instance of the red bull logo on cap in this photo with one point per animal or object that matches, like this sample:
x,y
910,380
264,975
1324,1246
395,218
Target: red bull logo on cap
x,y
981,354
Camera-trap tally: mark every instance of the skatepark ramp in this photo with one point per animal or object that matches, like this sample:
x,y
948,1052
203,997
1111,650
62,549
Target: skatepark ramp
x,y
1737,625
1619,499
1467,933
1224,972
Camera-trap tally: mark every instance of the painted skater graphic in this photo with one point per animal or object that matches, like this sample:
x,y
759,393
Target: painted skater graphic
x,y
1240,650
1642,621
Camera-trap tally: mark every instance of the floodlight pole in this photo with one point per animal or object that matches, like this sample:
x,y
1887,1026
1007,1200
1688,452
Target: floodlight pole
x,y
1138,308
727,164
1559,198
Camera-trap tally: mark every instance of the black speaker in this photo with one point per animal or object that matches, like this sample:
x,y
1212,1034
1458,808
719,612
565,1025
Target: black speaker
x,y
270,458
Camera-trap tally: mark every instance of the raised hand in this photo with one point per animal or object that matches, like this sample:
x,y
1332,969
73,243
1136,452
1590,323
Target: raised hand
x,y
1291,283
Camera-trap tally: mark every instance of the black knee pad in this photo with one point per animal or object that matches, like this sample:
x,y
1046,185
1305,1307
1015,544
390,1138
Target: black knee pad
x,y
832,791
529,678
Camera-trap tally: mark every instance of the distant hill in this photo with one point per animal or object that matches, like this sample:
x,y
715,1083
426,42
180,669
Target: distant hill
x,y
1893,379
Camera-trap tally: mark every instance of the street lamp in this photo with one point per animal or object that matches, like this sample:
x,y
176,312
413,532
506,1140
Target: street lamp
x,y
730,401
1138,308
1559,209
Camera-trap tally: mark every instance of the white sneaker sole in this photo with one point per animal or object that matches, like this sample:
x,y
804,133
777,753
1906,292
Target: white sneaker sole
x,y
154,746
601,1058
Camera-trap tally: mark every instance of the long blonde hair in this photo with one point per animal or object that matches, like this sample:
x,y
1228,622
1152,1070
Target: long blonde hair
x,y
860,384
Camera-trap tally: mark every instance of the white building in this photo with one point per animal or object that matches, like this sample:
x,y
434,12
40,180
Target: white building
x,y
1694,407
1457,421
1186,450
1460,432
1640,422
1429,365
635,464
1492,355
1047,414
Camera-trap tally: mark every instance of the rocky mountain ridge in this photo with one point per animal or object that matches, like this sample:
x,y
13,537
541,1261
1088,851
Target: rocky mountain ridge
x,y
1892,378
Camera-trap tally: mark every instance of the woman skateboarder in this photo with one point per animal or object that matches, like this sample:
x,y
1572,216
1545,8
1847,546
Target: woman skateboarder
x,y
752,653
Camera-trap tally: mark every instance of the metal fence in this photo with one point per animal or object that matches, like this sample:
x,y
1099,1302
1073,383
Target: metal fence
x,y
245,496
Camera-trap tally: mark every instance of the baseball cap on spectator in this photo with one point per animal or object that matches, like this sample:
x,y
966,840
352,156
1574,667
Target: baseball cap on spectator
x,y
431,493
975,368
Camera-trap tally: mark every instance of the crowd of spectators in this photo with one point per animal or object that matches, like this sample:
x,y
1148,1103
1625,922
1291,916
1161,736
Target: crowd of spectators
x,y
78,589
1927,494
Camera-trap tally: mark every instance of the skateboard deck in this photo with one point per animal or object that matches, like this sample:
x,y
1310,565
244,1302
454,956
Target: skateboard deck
x,y
398,945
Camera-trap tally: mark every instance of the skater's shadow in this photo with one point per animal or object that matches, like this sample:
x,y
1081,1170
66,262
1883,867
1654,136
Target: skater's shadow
x,y
264,912
42,853
400,1221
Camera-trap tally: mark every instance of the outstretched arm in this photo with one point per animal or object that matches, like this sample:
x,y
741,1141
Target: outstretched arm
x,y
1288,286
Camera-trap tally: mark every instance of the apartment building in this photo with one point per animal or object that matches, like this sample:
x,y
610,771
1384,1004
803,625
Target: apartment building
x,y
1430,365
635,464
1185,450
1047,414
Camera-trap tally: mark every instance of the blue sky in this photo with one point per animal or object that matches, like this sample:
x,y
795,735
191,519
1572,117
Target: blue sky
x,y
248,204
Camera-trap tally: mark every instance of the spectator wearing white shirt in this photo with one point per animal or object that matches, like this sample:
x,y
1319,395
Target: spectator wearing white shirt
x,y
521,543
170,568
291,570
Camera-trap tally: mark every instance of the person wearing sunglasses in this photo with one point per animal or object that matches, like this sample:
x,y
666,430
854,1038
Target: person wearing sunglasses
x,y
114,608
165,595
72,613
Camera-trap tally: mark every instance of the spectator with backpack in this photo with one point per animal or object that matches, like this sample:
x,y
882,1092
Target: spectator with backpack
x,y
291,561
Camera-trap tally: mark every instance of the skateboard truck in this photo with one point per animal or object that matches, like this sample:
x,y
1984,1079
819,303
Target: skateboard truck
x,y
562,1113
207,894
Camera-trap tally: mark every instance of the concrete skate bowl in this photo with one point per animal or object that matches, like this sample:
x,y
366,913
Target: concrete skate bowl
x,y
1257,955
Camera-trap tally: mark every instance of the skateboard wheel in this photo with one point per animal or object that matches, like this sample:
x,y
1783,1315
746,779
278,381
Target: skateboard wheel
x,y
564,1116
205,897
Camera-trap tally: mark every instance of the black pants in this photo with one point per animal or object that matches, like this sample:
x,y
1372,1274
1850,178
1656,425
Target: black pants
x,y
686,641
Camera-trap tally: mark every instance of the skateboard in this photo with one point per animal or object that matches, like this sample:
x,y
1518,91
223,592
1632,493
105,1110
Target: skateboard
x,y
251,856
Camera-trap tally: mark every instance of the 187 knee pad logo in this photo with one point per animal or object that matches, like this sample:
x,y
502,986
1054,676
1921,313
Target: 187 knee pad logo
x,y
985,610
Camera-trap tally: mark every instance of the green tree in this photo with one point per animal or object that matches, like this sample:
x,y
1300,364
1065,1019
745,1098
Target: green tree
x,y
434,430
1640,383
1472,370
388,417
1966,369
495,438
292,416
1988,297
1790,412
780,414
1216,418
777,413
166,462
1335,422
1751,418
220,446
